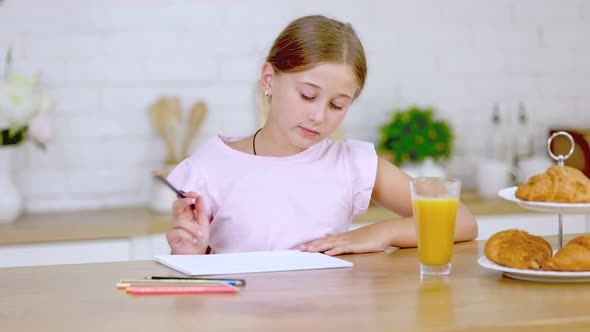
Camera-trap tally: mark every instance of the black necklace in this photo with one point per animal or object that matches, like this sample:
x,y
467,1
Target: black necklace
x,y
254,140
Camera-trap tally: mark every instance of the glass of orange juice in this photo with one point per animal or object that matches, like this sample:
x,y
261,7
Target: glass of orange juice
x,y
435,201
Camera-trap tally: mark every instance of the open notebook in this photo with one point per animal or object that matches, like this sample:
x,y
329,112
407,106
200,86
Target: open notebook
x,y
250,262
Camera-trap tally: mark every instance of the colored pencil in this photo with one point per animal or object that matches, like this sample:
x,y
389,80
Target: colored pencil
x,y
234,282
224,288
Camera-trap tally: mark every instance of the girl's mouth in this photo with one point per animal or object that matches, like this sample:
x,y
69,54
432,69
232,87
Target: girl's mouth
x,y
308,132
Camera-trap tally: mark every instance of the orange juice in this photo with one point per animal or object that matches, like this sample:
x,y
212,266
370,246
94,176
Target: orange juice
x,y
435,226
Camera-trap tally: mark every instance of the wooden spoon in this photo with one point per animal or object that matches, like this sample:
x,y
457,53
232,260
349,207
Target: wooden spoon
x,y
161,112
196,117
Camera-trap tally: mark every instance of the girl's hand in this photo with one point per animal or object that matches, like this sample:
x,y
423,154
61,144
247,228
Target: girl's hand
x,y
189,233
371,238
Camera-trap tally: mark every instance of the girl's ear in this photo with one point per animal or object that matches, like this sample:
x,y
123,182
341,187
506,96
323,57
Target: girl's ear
x,y
266,77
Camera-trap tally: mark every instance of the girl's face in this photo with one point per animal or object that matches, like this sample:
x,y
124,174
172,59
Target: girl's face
x,y
309,106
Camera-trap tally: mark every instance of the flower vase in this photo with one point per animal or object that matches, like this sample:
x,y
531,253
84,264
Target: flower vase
x,y
11,202
162,198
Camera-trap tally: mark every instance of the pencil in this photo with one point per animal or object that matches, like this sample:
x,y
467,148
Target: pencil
x,y
224,288
167,283
173,281
234,282
179,193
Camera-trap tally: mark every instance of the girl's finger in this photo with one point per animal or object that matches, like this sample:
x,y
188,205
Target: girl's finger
x,y
179,235
182,203
185,216
344,249
200,214
188,226
322,246
325,243
184,210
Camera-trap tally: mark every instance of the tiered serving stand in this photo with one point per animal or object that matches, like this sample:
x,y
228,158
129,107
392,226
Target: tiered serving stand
x,y
559,208
548,207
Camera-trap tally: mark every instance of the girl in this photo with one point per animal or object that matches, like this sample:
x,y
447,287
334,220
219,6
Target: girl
x,y
288,186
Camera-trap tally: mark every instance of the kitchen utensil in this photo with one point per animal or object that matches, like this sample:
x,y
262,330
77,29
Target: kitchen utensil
x,y
165,115
195,119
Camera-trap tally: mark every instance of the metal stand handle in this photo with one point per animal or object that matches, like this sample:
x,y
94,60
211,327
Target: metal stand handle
x,y
560,158
560,162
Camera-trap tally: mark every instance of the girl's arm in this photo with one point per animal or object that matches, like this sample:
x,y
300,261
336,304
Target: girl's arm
x,y
392,191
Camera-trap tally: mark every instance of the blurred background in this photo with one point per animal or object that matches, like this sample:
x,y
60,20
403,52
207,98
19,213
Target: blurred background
x,y
500,73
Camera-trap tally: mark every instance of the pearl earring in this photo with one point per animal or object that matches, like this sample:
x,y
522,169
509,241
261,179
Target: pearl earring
x,y
266,93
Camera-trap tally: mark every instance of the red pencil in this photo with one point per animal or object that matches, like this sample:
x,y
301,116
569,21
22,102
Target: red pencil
x,y
224,288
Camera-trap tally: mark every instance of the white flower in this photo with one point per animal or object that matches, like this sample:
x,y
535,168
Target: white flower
x,y
20,99
24,108
24,105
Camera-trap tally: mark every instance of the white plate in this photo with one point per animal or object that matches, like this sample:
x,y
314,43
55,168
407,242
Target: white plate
x,y
508,194
535,275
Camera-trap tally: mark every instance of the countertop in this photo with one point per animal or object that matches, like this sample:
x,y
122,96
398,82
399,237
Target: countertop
x,y
133,222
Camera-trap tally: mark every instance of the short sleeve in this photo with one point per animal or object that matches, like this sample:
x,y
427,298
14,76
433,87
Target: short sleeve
x,y
186,176
362,172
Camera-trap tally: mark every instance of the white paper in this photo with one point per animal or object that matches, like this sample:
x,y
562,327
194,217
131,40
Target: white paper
x,y
250,262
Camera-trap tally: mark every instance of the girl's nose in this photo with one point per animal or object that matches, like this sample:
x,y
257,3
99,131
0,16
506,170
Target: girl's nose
x,y
316,114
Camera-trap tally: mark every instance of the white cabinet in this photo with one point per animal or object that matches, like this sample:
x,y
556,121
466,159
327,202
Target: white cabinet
x,y
112,250
90,251
534,223
537,224
146,247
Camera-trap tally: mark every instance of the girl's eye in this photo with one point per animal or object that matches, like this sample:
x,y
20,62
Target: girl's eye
x,y
338,108
306,98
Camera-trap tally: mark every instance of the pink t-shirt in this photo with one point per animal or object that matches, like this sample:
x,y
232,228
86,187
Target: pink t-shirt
x,y
272,203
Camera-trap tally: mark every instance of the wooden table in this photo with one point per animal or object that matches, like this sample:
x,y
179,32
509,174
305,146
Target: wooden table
x,y
382,292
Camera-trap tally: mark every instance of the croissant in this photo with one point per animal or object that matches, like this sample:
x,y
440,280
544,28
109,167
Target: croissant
x,y
518,249
575,256
558,184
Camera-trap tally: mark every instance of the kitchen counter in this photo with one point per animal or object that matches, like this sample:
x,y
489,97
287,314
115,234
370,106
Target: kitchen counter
x,y
134,222
84,225
477,205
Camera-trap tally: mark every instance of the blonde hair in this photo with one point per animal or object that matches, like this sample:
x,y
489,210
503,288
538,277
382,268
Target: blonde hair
x,y
309,41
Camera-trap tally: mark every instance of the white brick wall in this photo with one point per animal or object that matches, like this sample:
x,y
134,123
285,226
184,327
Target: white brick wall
x,y
105,62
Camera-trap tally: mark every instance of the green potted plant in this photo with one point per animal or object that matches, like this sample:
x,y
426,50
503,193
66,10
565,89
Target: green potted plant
x,y
414,137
